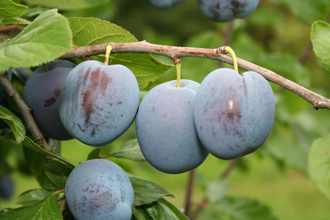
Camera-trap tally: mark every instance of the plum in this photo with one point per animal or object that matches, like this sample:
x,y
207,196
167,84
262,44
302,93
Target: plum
x,y
233,114
41,93
6,186
22,73
99,189
165,128
98,103
162,4
227,10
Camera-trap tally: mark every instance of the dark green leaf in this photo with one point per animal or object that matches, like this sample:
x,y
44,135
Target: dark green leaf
x,y
95,154
91,31
129,150
14,123
319,164
44,40
146,191
57,172
32,196
321,42
68,4
45,209
139,213
9,9
164,210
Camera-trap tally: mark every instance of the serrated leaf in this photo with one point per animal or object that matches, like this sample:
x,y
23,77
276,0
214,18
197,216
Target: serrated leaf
x,y
32,196
129,150
45,209
238,208
9,9
91,31
319,164
44,40
95,154
57,172
164,210
307,10
14,123
10,21
67,4
146,191
321,42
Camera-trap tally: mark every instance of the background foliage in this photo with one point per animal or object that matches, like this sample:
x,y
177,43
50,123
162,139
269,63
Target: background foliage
x,y
276,182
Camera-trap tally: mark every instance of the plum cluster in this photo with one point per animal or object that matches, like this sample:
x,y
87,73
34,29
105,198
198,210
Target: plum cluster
x,y
217,10
228,115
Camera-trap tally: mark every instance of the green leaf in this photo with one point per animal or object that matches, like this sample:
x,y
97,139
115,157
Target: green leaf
x,y
139,213
9,9
67,4
45,209
57,172
32,196
164,210
319,164
146,191
129,150
216,190
56,145
95,154
238,208
10,21
14,123
308,10
91,31
321,42
44,40
33,12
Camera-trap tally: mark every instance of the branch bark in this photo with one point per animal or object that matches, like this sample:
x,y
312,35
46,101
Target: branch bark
x,y
315,99
31,125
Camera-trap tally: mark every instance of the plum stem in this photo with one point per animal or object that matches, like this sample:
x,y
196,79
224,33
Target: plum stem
x,y
45,67
232,53
107,54
177,63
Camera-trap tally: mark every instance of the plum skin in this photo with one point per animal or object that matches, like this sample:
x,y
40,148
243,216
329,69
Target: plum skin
x,y
233,114
6,186
41,93
227,10
163,4
165,128
98,103
99,189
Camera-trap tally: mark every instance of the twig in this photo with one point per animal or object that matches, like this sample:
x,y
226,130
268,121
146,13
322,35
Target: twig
x,y
26,112
316,100
11,27
189,192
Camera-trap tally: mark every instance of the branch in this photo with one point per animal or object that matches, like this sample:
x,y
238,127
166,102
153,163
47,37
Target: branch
x,y
189,192
26,112
316,100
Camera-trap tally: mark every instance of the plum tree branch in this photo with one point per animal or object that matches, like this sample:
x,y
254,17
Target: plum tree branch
x,y
315,99
26,113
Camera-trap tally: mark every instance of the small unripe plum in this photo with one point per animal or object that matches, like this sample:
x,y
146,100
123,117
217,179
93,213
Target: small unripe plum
x,y
41,93
98,103
100,190
233,113
162,4
165,128
227,10
6,187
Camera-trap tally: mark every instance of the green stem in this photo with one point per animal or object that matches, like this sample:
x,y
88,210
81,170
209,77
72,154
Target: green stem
x,y
107,54
232,53
45,67
178,74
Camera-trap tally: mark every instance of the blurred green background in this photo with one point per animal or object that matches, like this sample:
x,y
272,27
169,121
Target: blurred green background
x,y
275,36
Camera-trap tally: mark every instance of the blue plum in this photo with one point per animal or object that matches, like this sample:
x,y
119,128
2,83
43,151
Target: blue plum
x,y
227,10
98,103
233,114
162,4
41,93
22,73
100,190
6,187
165,128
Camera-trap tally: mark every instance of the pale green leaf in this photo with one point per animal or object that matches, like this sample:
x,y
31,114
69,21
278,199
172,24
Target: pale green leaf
x,y
14,123
10,21
9,9
321,42
319,164
67,4
45,209
129,150
32,196
44,40
91,31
